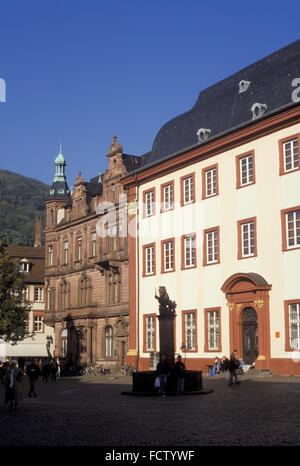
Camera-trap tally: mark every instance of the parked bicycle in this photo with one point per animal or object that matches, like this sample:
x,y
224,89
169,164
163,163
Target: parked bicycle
x,y
128,369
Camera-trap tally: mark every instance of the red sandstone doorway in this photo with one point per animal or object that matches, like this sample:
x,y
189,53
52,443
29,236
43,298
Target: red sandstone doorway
x,y
249,332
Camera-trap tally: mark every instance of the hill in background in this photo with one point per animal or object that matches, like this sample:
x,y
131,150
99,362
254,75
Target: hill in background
x,y
21,201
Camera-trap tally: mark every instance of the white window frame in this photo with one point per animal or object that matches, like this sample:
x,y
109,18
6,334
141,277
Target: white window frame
x,y
211,246
190,331
294,154
38,324
294,334
168,197
247,239
38,294
213,329
246,169
149,260
188,190
189,251
149,203
168,256
295,238
150,333
211,182
109,345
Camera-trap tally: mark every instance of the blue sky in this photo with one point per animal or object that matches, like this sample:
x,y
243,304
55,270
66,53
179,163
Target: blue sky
x,y
78,71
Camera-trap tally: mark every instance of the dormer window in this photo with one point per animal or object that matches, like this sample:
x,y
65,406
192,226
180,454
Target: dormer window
x,y
243,85
203,134
24,266
258,110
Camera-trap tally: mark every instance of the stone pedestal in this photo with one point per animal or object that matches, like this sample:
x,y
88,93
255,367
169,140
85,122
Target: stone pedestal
x,y
166,335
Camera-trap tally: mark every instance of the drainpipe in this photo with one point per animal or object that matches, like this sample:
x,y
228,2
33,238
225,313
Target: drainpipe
x,y
137,273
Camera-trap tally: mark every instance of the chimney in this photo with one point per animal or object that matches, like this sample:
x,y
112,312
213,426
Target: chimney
x,y
38,227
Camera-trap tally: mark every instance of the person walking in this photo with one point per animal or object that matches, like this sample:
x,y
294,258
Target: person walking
x,y
162,371
53,366
58,368
33,371
234,363
179,369
13,385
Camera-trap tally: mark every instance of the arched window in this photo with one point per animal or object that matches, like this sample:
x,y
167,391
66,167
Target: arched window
x,y
108,341
85,292
114,288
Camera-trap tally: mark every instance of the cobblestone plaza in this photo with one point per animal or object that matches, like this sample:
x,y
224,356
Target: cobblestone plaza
x,y
91,411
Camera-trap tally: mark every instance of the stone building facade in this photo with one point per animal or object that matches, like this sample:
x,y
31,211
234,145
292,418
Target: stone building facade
x,y
86,277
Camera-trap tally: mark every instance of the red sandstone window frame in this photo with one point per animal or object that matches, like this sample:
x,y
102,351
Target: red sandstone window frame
x,y
183,255
240,223
162,249
144,210
162,196
284,212
183,314
287,322
206,339
281,143
182,190
205,255
145,247
238,169
204,181
145,317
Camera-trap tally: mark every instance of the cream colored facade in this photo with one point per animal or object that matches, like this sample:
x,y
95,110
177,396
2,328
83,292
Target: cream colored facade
x,y
199,288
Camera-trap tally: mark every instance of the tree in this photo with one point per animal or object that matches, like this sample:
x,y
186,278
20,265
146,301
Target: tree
x,y
13,306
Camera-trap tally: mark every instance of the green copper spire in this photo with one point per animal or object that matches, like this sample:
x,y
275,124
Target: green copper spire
x,y
60,164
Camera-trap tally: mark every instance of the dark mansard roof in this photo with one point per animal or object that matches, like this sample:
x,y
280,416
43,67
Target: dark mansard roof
x,y
228,105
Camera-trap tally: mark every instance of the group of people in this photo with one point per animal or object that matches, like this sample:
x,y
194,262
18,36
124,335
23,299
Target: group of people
x,y
164,370
12,377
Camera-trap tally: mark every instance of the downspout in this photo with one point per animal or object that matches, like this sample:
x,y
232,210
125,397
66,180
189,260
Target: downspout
x,y
137,273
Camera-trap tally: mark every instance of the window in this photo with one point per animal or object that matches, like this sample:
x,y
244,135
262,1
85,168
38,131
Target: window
x,y
167,196
213,330
289,154
38,295
38,323
149,259
210,182
64,342
50,255
108,342
188,251
245,169
67,215
211,248
85,292
24,267
290,219
66,252
294,325
149,333
149,203
247,238
114,291
187,189
79,249
168,255
189,331
93,244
